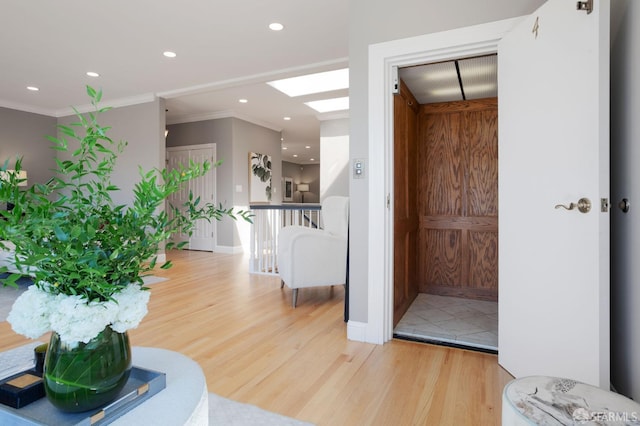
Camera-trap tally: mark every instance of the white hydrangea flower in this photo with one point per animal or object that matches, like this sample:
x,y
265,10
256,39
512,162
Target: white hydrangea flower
x,y
132,307
36,312
29,314
76,321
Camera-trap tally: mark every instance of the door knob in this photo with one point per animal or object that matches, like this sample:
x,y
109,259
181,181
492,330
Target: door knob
x,y
583,205
624,205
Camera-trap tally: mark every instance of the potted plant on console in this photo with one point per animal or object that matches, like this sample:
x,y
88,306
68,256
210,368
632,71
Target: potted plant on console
x,y
88,255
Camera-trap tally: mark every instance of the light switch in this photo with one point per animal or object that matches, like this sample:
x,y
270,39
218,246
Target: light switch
x,y
238,188
358,169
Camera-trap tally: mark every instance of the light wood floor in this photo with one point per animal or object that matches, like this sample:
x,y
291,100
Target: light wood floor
x,y
254,348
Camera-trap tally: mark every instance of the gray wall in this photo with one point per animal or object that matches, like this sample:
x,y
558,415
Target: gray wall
x,y
375,21
142,126
219,132
303,173
234,139
625,183
23,134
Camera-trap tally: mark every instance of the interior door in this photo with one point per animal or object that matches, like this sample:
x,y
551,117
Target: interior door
x,y
177,199
553,80
203,235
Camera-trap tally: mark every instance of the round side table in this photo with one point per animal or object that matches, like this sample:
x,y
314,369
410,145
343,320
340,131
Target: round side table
x,y
184,401
542,400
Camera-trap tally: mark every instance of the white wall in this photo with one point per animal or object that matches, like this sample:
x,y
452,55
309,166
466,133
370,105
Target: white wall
x,y
375,21
334,158
625,183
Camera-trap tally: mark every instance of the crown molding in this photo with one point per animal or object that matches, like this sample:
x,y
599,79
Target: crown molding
x,y
333,115
255,78
190,118
26,108
114,103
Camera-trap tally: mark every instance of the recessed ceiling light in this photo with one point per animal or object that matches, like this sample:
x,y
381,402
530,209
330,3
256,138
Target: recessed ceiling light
x,y
169,54
284,148
243,101
308,147
313,83
328,105
295,155
93,74
312,159
276,26
33,88
287,118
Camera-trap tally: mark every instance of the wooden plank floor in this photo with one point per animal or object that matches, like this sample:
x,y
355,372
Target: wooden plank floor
x,y
254,348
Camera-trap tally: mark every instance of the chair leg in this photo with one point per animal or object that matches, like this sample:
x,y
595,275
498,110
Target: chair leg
x,y
295,297
281,283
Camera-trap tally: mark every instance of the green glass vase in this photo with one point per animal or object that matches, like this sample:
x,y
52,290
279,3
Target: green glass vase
x,y
88,375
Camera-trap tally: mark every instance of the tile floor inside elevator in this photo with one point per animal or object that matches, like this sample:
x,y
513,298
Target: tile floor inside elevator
x,y
451,321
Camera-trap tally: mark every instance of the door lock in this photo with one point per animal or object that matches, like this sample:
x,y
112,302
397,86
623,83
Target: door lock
x,y
583,205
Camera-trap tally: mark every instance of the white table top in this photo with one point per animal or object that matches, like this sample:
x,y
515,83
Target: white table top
x,y
184,401
543,400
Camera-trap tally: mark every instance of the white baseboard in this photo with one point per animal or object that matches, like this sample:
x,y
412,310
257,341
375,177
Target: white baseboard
x,y
228,249
357,331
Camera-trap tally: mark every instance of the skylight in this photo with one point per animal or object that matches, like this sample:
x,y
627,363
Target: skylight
x,y
328,105
313,83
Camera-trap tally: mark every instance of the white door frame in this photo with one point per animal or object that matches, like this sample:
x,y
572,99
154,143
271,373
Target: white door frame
x,y
383,59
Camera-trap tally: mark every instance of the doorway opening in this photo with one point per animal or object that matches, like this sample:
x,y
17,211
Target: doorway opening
x,y
446,203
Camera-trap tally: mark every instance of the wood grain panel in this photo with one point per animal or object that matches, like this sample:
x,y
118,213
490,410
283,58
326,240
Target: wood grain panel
x,y
481,134
458,199
460,106
440,176
442,258
405,202
483,261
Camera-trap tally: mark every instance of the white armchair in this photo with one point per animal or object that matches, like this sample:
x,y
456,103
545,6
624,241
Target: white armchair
x,y
316,257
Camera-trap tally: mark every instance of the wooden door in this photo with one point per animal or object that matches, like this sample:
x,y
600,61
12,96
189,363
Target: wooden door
x,y
405,212
458,199
553,80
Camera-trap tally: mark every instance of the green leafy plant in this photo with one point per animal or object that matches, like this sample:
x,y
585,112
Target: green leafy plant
x,y
261,168
71,236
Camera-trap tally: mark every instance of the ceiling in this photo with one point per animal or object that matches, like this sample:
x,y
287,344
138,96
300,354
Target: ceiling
x,y
463,79
225,51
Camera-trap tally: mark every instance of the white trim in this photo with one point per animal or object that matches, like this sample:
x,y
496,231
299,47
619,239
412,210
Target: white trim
x,y
190,118
228,249
189,147
383,57
253,79
357,331
162,258
115,103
